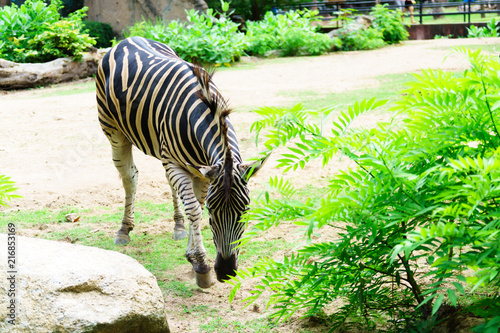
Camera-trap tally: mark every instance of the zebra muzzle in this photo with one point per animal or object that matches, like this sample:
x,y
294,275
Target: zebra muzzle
x,y
225,267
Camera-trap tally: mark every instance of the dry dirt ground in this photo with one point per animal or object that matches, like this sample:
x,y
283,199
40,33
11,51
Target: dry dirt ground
x,y
53,148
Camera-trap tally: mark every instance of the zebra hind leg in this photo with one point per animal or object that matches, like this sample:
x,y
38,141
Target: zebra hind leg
x,y
124,162
179,228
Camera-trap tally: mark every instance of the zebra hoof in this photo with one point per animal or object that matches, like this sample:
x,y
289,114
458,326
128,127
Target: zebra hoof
x,y
122,239
204,280
179,234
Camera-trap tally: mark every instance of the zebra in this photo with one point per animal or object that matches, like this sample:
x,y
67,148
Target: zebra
x,y
170,109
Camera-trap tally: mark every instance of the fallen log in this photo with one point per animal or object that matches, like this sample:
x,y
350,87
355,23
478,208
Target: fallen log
x,y
15,75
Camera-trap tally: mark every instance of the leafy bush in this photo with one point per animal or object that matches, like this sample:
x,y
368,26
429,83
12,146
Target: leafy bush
x,y
422,201
354,36
205,38
34,32
390,23
290,33
489,31
102,32
360,39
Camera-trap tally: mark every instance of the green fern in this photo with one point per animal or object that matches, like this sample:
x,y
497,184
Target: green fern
x,y
426,185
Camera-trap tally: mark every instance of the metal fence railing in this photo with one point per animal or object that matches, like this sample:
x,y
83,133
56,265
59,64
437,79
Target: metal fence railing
x,y
333,9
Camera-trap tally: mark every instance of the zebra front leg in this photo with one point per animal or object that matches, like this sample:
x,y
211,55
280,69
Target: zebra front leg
x,y
124,162
179,229
195,253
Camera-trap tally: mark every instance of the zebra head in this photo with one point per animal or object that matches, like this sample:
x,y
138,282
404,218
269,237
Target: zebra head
x,y
227,200
227,195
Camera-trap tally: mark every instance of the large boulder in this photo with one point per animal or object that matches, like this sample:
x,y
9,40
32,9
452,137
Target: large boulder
x,y
123,14
62,287
361,22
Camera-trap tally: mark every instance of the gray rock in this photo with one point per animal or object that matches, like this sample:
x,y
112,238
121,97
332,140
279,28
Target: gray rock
x,y
364,20
361,22
61,287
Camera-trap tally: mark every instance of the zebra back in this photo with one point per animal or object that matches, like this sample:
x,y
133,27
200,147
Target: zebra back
x,y
167,107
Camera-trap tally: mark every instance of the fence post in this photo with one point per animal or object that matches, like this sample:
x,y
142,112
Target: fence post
x,y
420,10
465,15
468,11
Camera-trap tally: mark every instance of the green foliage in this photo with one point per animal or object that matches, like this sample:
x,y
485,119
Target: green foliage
x,y
290,33
422,201
6,190
490,30
34,32
207,37
102,32
355,40
390,23
252,9
354,36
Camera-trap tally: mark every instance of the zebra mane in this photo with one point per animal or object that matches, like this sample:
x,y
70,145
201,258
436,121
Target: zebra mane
x,y
220,110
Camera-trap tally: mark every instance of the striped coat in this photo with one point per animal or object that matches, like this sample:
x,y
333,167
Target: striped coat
x,y
170,109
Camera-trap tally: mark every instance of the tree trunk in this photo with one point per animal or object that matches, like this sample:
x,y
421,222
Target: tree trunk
x,y
15,75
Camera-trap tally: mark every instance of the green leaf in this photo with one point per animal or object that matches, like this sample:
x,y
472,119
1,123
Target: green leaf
x,y
437,303
451,296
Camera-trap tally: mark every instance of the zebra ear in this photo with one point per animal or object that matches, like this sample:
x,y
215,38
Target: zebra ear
x,y
250,169
203,172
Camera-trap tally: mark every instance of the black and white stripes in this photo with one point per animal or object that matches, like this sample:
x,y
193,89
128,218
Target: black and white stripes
x,y
170,109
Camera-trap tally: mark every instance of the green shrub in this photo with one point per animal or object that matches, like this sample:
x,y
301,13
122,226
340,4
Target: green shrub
x,y
390,23
34,32
290,33
489,31
102,32
416,219
301,42
360,39
207,37
261,44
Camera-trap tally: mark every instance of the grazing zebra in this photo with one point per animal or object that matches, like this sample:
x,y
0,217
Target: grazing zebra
x,y
170,109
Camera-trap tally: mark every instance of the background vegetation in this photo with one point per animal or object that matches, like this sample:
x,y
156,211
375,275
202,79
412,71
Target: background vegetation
x,y
212,37
490,30
102,32
35,32
290,34
207,37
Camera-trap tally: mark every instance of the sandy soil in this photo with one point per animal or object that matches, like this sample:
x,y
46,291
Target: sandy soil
x,y
52,146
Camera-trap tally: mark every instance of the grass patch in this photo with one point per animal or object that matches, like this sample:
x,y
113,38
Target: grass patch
x,y
458,18
389,87
63,90
198,309
493,48
260,61
153,246
219,325
180,289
